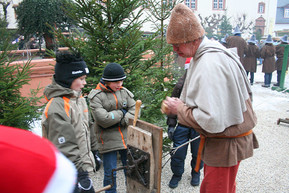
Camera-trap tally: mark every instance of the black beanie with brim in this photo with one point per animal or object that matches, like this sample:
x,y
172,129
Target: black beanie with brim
x,y
113,72
67,72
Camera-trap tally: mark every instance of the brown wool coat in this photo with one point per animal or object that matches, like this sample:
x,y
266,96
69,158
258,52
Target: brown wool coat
x,y
250,60
225,152
280,54
268,53
239,43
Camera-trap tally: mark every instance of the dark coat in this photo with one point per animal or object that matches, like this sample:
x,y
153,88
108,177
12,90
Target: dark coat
x,y
250,60
239,43
268,53
280,54
172,119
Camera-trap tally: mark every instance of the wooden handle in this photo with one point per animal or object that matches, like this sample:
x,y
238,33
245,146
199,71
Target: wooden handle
x,y
137,108
103,189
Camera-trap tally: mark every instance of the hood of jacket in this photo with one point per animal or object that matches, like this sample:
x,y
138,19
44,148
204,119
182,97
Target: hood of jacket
x,y
55,90
101,86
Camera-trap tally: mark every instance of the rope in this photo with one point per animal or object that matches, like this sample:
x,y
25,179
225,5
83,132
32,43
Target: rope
x,y
175,149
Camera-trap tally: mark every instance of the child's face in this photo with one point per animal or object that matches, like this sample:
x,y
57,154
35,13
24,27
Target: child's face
x,y
78,83
115,85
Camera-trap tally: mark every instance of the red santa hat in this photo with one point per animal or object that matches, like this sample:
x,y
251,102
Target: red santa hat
x,y
30,163
187,63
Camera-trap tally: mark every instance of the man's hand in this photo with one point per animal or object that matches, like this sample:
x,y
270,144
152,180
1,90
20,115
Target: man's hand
x,y
170,105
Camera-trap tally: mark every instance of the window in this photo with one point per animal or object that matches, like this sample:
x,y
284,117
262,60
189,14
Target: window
x,y
191,4
168,3
218,4
261,8
286,13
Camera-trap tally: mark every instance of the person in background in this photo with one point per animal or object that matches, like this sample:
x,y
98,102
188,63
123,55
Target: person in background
x,y
65,120
238,42
250,60
215,101
30,163
111,105
180,135
280,55
260,44
268,54
21,43
32,44
223,41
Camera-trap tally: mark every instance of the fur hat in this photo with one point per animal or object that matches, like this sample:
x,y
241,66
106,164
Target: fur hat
x,y
30,163
183,26
113,72
69,67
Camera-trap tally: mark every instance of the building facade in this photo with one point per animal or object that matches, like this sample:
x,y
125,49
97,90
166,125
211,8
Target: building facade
x,y
261,12
282,18
268,16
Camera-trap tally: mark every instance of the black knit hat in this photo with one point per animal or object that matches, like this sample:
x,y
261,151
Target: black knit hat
x,y
69,67
113,72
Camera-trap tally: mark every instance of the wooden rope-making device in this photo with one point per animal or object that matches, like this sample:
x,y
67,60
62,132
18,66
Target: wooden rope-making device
x,y
144,156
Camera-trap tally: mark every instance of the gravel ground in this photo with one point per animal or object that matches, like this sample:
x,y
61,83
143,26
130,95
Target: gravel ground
x,y
268,170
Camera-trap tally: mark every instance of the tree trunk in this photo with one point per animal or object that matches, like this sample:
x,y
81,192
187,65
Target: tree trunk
x,y
49,42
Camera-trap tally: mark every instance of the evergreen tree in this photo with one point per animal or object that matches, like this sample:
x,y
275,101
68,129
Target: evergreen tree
x,y
35,16
112,33
15,110
159,12
225,26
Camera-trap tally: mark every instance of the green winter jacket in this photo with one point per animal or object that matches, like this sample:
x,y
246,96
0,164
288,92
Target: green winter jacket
x,y
110,123
65,122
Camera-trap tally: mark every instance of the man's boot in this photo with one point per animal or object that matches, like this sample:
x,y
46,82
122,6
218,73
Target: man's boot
x,y
174,182
195,179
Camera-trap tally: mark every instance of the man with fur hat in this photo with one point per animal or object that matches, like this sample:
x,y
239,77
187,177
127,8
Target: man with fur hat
x,y
238,42
215,101
65,120
280,55
250,60
112,105
268,54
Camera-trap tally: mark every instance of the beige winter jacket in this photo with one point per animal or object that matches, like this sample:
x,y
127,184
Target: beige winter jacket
x,y
110,122
65,123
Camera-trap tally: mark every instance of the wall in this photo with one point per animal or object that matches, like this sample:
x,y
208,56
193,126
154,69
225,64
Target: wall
x,y
41,76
